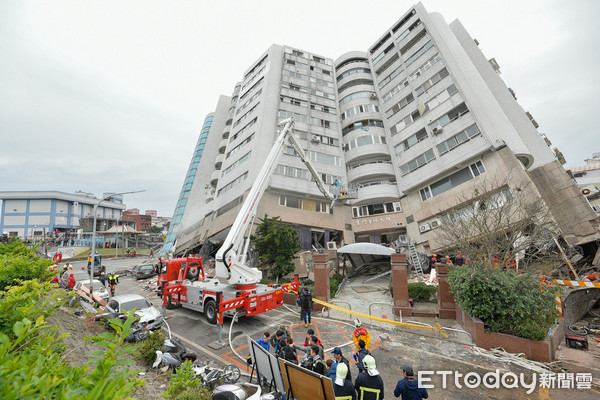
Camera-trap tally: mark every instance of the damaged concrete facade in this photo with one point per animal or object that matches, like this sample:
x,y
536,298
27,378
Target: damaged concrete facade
x,y
404,125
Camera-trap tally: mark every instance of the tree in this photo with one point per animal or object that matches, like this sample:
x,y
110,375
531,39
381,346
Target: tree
x,y
276,243
155,229
503,224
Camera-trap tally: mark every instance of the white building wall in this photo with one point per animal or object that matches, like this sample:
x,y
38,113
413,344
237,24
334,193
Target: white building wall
x,y
39,205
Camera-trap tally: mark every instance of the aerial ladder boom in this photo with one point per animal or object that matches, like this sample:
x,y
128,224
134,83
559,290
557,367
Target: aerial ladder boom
x,y
230,267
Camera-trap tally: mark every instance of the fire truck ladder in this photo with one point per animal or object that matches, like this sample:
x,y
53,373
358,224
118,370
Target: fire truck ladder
x,y
415,260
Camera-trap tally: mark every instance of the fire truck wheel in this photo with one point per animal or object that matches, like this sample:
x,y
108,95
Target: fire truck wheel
x,y
193,273
210,309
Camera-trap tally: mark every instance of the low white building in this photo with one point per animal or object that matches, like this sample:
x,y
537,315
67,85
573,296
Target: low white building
x,y
30,214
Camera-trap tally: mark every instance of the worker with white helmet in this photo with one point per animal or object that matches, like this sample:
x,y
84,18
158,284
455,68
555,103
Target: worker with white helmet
x,y
369,384
342,387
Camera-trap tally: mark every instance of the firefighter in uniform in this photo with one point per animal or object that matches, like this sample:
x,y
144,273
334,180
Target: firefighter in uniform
x,y
342,387
360,333
369,385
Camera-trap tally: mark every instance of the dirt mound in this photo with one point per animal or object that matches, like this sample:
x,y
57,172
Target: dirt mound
x,y
77,350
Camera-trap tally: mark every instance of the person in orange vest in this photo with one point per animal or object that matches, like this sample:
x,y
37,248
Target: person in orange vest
x,y
448,260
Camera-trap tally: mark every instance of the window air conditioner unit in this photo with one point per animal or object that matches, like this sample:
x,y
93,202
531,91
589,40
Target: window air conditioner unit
x,y
435,223
315,139
437,130
424,228
373,95
331,246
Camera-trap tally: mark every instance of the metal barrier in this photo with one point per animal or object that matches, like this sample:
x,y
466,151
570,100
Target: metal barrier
x,y
384,303
332,302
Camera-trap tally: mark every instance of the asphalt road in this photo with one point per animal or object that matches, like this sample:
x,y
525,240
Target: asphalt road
x,y
391,347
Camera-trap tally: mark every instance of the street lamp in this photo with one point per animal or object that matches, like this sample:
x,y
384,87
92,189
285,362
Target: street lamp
x,y
94,237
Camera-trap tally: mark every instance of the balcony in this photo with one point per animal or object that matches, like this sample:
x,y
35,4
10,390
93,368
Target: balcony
x,y
219,161
367,152
381,191
223,146
214,178
371,170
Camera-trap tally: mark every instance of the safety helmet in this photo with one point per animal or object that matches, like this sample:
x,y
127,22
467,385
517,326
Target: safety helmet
x,y
369,364
340,373
357,323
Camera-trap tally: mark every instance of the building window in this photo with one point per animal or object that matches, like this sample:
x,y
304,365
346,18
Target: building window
x,y
358,70
297,88
403,123
243,117
375,209
432,81
293,101
304,204
418,53
289,114
321,93
452,181
407,31
233,183
325,158
354,96
291,172
239,146
363,108
294,74
323,123
395,57
383,53
400,105
321,82
411,141
364,141
458,139
391,76
451,116
243,159
364,125
417,162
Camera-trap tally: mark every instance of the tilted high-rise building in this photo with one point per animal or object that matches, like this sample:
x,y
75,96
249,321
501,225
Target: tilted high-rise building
x,y
405,124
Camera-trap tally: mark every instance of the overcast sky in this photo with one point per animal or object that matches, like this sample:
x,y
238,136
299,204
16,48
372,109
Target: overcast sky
x,y
110,96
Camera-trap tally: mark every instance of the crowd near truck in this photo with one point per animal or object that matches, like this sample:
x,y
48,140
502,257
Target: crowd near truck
x,y
234,287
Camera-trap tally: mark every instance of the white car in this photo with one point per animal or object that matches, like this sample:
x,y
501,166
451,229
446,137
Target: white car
x,y
150,317
99,288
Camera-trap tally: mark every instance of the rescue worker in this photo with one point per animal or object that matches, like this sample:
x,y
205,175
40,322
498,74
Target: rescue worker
x,y
71,282
360,333
459,260
306,304
89,260
342,387
369,385
113,280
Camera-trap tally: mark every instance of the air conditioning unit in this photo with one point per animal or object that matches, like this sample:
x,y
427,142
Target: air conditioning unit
x,y
373,95
435,223
424,228
315,139
437,130
331,246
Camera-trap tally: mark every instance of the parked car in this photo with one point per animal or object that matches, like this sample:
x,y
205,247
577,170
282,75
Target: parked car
x,y
142,271
150,317
99,288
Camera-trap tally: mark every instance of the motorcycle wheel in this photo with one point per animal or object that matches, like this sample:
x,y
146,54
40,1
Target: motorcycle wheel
x,y
231,373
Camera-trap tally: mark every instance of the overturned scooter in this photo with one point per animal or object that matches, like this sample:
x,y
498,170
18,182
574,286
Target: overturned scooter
x,y
173,353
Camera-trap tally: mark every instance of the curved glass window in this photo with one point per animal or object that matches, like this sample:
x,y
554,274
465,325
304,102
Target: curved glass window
x,y
359,70
364,125
354,96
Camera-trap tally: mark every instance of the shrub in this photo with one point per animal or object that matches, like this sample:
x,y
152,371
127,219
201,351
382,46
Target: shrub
x,y
185,385
19,263
505,301
420,291
334,283
32,366
146,349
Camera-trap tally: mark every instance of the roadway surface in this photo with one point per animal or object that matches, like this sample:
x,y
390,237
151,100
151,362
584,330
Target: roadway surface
x,y
392,347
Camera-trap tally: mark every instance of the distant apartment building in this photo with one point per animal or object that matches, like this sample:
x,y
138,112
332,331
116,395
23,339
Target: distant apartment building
x,y
405,124
588,179
33,214
142,222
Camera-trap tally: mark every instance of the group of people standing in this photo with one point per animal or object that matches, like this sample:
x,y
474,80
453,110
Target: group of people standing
x,y
368,384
